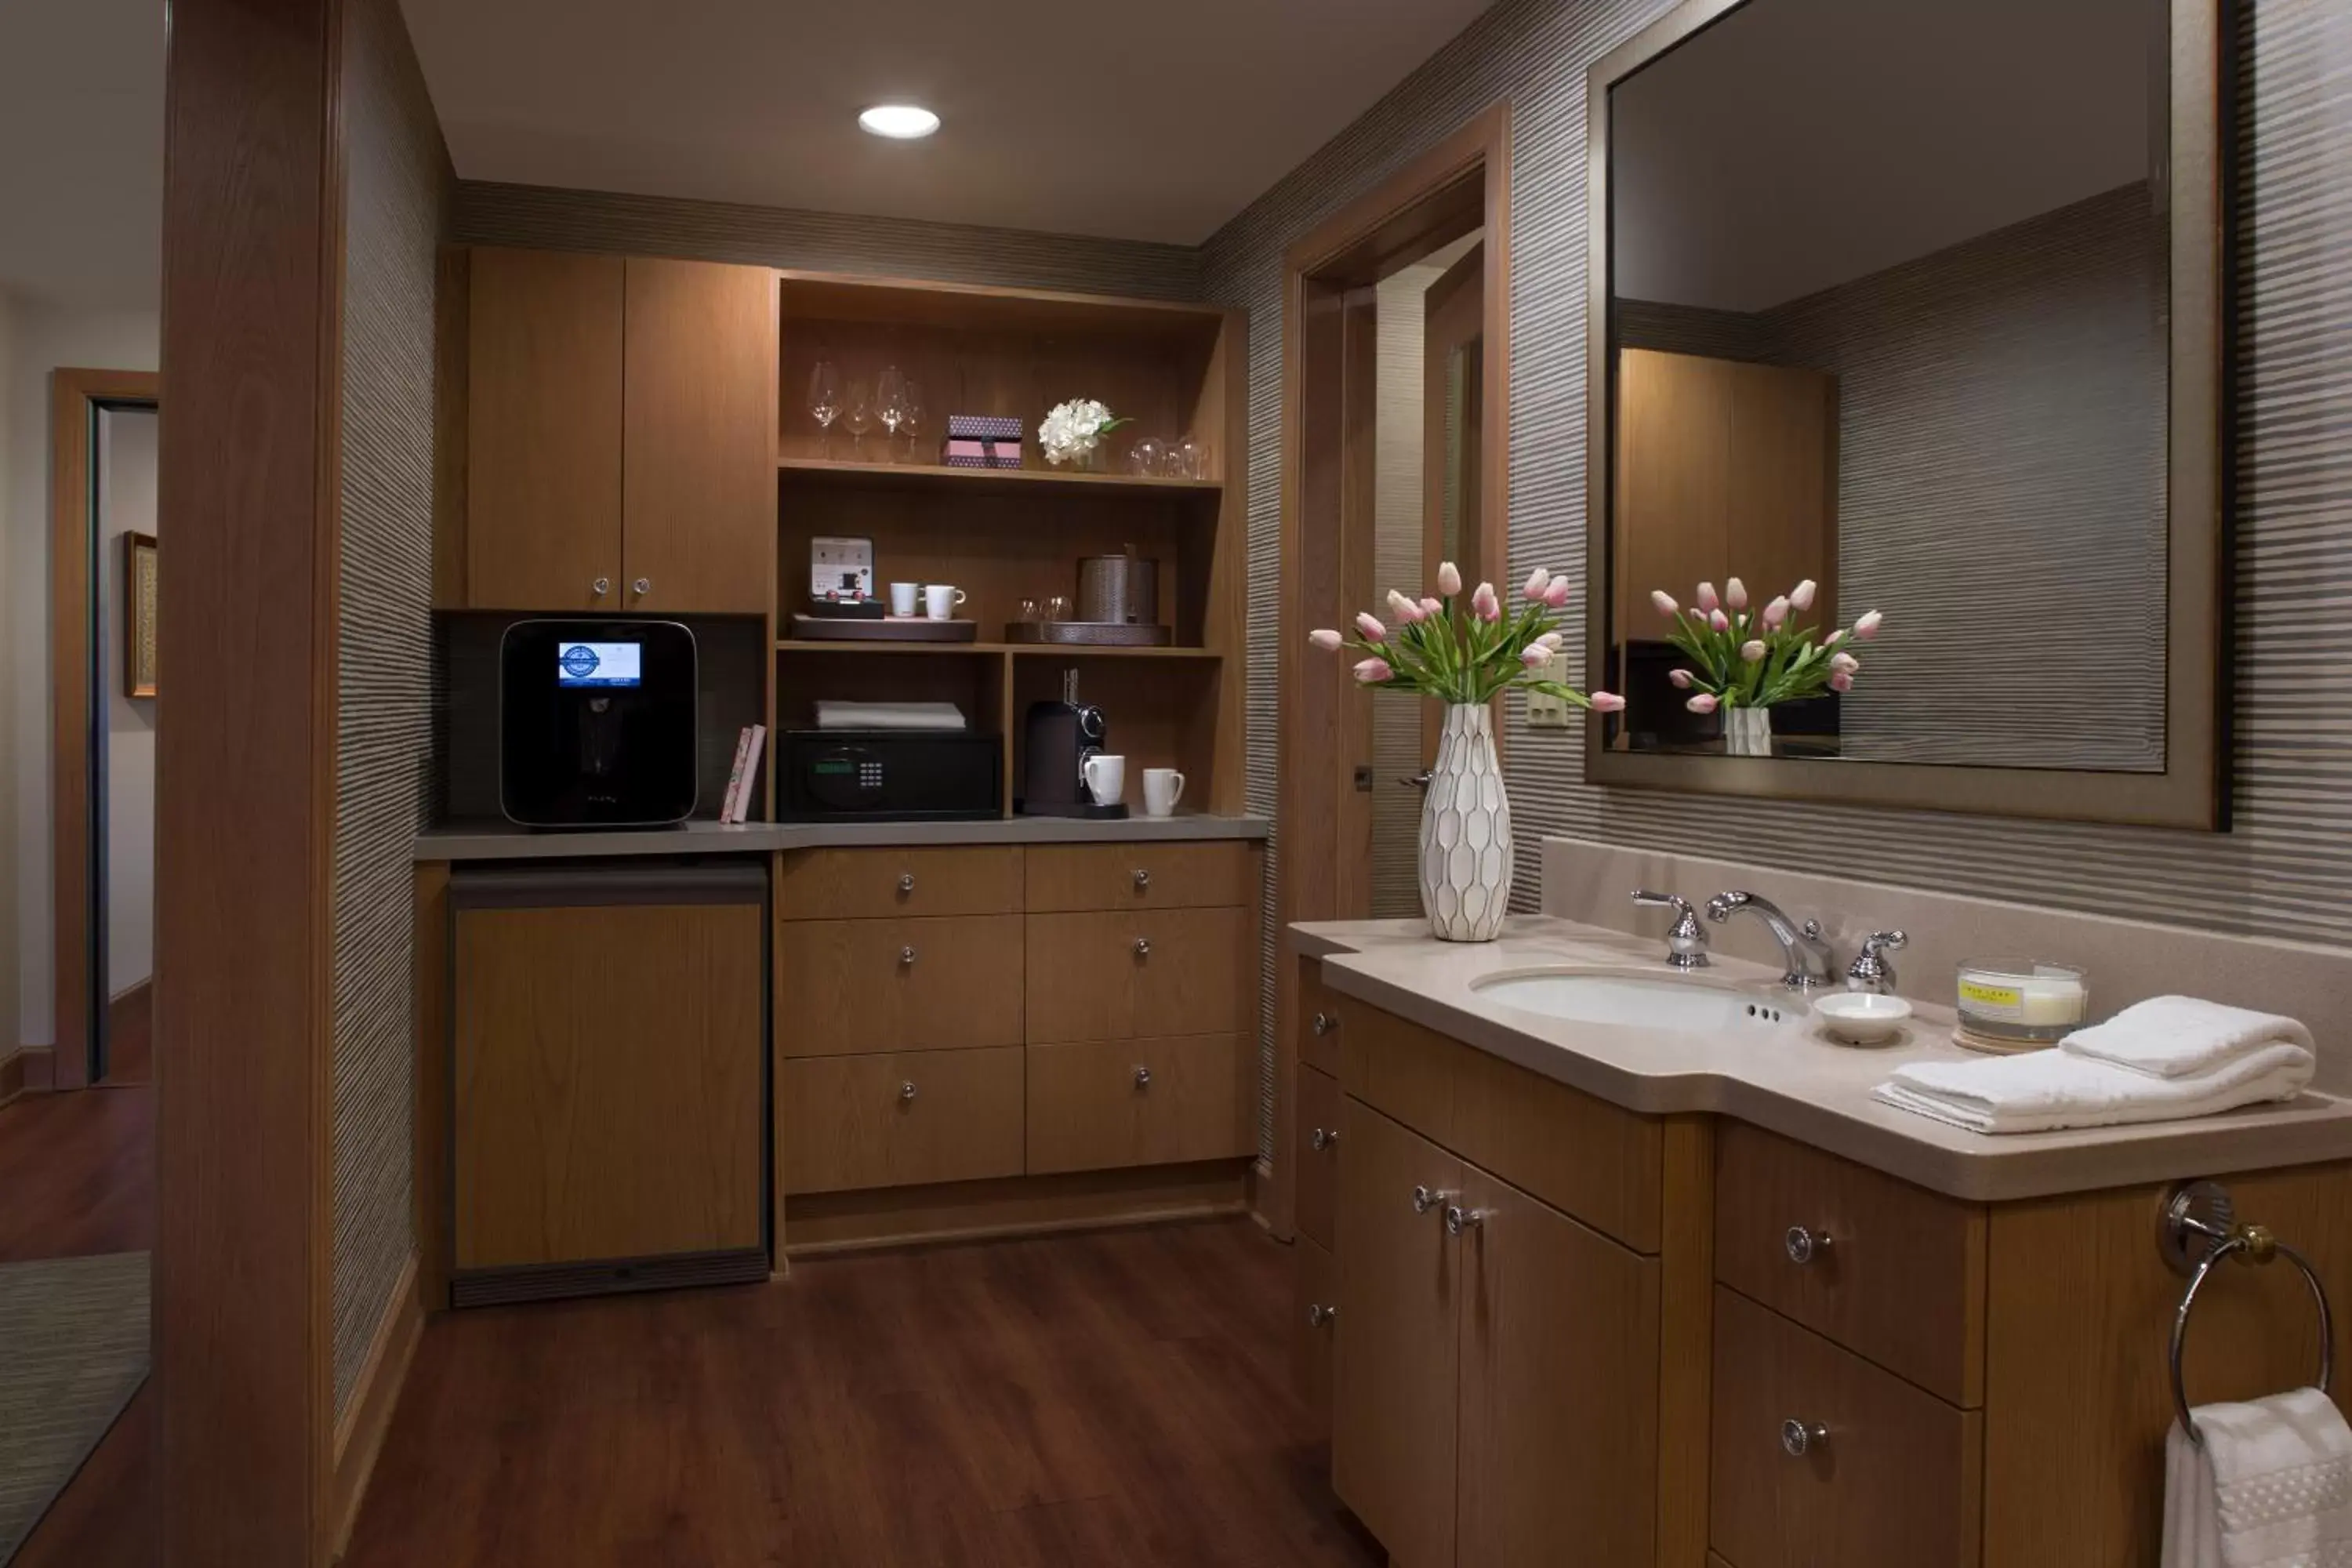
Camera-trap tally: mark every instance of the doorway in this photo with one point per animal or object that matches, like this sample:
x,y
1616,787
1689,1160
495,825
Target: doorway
x,y
1395,402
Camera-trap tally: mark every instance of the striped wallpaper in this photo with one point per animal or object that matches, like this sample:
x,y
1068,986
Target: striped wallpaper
x,y
2287,869
398,181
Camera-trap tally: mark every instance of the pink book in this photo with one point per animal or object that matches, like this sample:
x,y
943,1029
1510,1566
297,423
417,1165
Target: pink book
x,y
735,777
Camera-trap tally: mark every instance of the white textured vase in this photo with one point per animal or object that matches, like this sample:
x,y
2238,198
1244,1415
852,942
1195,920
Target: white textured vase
x,y
1748,731
1466,832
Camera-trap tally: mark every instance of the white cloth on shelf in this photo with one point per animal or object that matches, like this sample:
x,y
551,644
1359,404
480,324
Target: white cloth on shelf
x,y
2181,1036
2041,1091
889,716
2270,1487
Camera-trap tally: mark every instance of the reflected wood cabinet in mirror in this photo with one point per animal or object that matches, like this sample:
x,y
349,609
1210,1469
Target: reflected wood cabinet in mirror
x,y
1926,315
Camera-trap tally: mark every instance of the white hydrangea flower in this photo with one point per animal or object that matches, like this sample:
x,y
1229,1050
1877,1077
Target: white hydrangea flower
x,y
1073,429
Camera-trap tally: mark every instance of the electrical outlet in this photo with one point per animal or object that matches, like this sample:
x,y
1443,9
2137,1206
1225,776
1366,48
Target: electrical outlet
x,y
1546,711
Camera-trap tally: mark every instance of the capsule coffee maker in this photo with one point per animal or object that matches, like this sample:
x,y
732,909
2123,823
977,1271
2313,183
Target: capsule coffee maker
x,y
1059,738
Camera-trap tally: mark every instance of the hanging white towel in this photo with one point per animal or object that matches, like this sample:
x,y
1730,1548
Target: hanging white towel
x,y
2178,1037
2270,1487
2043,1090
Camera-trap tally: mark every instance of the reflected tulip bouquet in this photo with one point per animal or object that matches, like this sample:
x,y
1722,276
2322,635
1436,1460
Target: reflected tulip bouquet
x,y
1466,649
1744,659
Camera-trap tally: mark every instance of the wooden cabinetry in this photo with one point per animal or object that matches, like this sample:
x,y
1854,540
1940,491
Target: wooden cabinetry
x,y
620,433
899,1119
1094,1105
937,984
1116,974
606,1083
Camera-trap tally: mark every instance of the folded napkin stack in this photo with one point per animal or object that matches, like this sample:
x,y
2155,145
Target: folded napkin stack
x,y
2165,1060
2270,1488
888,716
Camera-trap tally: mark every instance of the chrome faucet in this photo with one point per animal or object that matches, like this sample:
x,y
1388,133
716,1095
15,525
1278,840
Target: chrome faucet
x,y
1687,940
1804,955
1872,970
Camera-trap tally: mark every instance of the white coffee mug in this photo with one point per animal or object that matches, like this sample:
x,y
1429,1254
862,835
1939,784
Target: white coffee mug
x,y
941,599
1163,788
1106,778
902,598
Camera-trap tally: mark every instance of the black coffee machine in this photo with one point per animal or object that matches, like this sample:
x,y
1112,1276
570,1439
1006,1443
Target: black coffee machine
x,y
597,723
1060,737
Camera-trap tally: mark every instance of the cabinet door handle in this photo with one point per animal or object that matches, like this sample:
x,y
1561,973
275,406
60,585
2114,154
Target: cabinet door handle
x,y
907,1092
1142,879
1143,947
1319,1316
642,584
906,957
1427,1198
601,586
906,881
1458,1219
1325,1023
1799,1439
1325,1138
1804,1246
1143,1078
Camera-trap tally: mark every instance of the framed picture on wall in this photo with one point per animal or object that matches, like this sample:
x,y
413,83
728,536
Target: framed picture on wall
x,y
139,614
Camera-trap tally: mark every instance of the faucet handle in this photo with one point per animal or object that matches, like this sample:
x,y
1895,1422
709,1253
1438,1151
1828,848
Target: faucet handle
x,y
1870,969
1686,939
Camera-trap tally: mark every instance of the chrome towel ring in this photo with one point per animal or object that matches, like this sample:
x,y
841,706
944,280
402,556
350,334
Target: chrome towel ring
x,y
2200,1212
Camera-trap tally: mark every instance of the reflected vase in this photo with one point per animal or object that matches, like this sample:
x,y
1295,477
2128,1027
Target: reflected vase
x,y
1748,731
1466,832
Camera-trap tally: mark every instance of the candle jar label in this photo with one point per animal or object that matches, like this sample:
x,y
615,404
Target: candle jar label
x,y
2006,1002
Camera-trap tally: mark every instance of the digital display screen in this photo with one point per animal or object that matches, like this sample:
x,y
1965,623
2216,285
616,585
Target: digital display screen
x,y
598,664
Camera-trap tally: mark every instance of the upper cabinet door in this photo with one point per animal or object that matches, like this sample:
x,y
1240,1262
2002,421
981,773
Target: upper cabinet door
x,y
700,475
544,432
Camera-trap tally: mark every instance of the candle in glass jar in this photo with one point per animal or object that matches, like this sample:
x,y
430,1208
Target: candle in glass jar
x,y
2023,994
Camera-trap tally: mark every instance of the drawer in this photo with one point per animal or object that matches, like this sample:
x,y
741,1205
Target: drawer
x,y
1401,1070
1595,1162
849,1122
867,884
1315,1144
1140,975
1098,1104
1141,876
854,987
1897,1478
1314,1280
1318,1019
1901,1281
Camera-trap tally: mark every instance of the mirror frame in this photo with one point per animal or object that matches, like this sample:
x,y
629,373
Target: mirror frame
x,y
2193,790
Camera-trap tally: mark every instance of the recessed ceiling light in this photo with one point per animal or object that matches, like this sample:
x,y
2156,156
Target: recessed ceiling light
x,y
900,121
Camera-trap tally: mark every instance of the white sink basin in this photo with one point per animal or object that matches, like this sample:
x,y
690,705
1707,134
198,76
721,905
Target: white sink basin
x,y
1638,1001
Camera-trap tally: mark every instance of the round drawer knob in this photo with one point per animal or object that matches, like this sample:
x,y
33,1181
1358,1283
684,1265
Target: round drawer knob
x,y
1143,947
907,955
1325,1138
1804,1246
1427,1198
642,584
601,586
1143,1078
907,1092
1325,1023
1459,1219
1799,1439
1319,1316
1142,879
906,881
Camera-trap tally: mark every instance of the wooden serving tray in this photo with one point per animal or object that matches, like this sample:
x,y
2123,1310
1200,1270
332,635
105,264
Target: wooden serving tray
x,y
1088,634
891,628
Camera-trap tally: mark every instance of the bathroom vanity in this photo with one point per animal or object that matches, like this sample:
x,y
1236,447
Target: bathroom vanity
x,y
1688,1296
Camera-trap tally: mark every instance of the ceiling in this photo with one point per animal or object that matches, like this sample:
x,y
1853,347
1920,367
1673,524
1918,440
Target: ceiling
x,y
1801,143
1134,121
81,152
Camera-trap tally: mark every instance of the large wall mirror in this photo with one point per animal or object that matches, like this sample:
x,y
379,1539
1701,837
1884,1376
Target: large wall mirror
x,y
1916,304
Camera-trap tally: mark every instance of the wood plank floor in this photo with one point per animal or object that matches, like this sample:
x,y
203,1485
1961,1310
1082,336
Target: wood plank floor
x,y
1112,1397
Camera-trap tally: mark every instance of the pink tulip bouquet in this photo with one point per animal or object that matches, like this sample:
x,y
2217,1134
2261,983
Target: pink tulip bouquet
x,y
1467,650
1744,659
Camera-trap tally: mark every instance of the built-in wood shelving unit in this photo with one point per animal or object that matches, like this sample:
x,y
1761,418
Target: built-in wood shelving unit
x,y
922,472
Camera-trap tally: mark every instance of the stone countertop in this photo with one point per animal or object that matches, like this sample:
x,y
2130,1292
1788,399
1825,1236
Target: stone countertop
x,y
504,841
1791,1080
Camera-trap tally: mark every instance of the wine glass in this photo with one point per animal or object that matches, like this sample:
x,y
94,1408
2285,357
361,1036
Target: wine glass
x,y
1189,459
857,414
1147,456
891,404
825,397
911,420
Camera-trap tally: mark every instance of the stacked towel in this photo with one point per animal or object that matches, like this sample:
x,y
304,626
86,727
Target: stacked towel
x,y
888,716
2271,1487
2166,1059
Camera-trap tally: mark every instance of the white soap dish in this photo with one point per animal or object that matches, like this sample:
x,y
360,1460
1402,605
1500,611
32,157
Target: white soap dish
x,y
1861,1017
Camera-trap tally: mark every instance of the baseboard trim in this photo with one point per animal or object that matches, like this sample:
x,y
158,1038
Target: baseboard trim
x,y
28,1069
360,1432
820,1223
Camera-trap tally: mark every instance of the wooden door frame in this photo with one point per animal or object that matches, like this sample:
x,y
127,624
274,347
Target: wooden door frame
x,y
77,397
1421,203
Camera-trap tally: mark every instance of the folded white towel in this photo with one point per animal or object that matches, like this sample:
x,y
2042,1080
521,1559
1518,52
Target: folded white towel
x,y
2270,1487
888,716
2178,1037
2041,1091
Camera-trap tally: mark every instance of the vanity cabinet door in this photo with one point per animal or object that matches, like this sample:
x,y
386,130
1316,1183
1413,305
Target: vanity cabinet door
x,y
1559,1427
1396,1377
